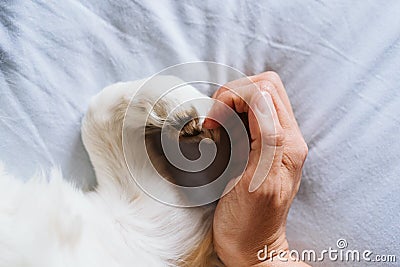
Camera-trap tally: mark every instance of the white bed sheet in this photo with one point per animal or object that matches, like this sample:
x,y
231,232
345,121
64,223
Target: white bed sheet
x,y
340,61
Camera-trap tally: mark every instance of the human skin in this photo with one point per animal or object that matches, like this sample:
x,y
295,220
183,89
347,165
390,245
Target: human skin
x,y
247,218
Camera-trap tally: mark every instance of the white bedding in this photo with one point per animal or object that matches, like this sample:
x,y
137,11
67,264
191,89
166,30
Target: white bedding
x,y
340,61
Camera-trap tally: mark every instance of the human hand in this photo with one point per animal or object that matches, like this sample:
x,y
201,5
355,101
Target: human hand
x,y
253,214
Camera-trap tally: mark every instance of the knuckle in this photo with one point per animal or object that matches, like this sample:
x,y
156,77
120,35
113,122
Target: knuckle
x,y
260,85
295,158
291,162
266,86
305,150
301,151
276,139
272,76
279,137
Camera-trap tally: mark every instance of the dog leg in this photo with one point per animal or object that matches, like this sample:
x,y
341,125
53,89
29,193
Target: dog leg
x,y
116,120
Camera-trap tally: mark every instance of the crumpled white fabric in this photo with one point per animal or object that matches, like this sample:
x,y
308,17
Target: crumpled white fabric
x,y
339,60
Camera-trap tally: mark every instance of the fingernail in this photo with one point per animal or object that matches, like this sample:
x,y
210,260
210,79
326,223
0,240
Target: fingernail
x,y
209,124
205,123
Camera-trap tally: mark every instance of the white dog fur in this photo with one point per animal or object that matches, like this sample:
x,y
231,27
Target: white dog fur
x,y
49,222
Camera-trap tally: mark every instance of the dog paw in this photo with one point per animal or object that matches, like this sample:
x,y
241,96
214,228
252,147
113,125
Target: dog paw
x,y
167,102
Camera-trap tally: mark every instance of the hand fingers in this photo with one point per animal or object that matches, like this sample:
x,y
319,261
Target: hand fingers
x,y
285,119
236,99
233,84
267,142
267,147
274,78
277,92
265,113
265,128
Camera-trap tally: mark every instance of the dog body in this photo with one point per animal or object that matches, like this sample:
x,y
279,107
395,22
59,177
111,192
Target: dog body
x,y
49,222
